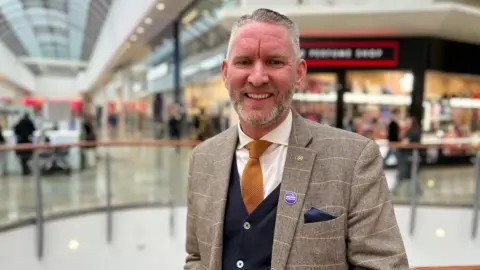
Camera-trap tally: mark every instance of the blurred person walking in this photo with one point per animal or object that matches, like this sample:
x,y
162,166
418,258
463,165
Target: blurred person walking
x,y
88,135
278,191
174,124
24,132
412,134
3,154
393,135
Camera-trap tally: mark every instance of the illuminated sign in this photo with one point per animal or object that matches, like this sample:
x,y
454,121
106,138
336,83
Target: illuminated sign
x,y
350,53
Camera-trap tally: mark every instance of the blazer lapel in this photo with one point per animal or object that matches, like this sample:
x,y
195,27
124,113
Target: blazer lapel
x,y
222,164
295,181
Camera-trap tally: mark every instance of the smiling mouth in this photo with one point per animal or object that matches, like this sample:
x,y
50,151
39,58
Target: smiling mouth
x,y
258,96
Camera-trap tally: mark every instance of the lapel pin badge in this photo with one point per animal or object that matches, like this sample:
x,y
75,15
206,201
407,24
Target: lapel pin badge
x,y
300,158
290,197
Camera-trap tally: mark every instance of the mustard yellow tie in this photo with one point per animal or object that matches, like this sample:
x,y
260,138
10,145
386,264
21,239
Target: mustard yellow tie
x,y
252,177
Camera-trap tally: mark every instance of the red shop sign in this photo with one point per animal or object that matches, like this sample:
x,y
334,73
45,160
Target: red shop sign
x,y
350,53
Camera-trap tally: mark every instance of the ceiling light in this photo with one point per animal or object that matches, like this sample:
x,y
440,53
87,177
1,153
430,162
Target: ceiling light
x,y
160,6
133,38
148,20
431,183
73,245
440,233
190,16
140,30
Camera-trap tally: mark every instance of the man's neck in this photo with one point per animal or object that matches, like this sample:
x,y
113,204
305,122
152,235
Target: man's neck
x,y
257,133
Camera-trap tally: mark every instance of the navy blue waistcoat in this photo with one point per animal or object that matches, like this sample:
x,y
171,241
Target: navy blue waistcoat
x,y
247,239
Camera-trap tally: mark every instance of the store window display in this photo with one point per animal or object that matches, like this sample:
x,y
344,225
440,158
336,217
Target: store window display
x,y
372,97
451,110
208,101
316,100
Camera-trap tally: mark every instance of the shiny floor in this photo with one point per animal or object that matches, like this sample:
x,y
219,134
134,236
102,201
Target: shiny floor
x,y
158,176
154,238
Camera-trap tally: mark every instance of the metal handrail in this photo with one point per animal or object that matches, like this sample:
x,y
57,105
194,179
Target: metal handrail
x,y
463,143
416,147
122,143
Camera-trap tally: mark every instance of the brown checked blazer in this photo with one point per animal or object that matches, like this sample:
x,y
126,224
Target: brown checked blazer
x,y
330,169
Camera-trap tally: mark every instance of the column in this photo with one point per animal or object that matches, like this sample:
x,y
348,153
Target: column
x,y
177,62
177,73
416,107
340,104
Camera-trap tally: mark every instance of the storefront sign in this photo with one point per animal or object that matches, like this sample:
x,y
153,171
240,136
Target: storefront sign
x,y
350,53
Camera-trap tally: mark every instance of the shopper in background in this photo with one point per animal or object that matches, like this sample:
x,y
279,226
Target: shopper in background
x,y
174,123
88,135
3,154
393,135
24,130
412,134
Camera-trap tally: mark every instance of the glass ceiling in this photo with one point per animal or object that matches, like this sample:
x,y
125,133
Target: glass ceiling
x,y
200,31
59,29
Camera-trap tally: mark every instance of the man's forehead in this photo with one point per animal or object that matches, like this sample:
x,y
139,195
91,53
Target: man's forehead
x,y
261,30
264,35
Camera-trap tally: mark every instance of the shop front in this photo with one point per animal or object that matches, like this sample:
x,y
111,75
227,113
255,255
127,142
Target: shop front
x,y
209,96
356,84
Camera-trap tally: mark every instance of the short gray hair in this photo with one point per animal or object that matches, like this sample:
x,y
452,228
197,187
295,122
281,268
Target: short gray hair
x,y
268,16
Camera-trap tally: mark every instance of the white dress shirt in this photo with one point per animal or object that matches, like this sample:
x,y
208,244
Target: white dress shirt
x,y
273,159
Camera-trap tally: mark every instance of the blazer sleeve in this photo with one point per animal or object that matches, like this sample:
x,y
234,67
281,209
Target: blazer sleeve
x,y
193,260
373,237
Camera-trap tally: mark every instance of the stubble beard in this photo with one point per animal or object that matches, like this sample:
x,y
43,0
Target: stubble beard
x,y
283,104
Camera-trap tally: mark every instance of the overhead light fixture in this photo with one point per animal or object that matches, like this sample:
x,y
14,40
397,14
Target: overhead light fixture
x,y
440,233
148,20
73,244
190,16
160,6
140,30
133,38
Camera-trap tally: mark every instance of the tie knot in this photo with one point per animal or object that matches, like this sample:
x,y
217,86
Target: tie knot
x,y
256,148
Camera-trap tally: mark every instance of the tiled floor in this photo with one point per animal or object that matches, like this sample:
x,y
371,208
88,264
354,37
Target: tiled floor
x,y
159,175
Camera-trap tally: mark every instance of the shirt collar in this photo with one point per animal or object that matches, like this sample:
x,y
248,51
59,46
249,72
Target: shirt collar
x,y
279,135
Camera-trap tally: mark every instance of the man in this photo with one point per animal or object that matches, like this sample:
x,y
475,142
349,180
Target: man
x,y
393,134
278,191
24,130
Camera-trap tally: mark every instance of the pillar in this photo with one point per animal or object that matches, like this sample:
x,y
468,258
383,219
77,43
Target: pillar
x,y
177,62
340,104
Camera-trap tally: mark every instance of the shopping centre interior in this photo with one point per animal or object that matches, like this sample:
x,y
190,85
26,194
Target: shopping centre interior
x,y
146,76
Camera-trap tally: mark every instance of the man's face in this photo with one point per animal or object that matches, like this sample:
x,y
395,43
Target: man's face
x,y
262,73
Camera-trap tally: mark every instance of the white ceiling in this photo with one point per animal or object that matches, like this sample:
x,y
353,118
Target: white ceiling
x,y
451,21
133,52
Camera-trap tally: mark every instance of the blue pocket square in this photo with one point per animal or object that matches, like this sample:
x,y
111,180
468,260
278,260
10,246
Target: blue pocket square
x,y
315,215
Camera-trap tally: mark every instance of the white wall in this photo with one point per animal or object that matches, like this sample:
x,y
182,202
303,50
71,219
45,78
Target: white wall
x,y
56,87
7,91
121,21
15,71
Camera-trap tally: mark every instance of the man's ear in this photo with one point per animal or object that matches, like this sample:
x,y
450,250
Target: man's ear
x,y
301,73
225,72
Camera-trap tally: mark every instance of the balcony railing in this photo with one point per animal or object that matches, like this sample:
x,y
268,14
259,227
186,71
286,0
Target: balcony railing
x,y
153,173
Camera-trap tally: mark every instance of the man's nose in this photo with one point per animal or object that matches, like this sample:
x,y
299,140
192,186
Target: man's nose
x,y
258,76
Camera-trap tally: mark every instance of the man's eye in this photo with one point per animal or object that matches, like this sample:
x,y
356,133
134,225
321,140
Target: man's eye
x,y
274,62
243,62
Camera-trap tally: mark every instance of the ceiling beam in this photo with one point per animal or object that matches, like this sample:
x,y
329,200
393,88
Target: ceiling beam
x,y
53,62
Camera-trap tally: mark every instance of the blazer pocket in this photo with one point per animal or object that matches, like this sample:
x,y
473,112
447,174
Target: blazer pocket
x,y
324,227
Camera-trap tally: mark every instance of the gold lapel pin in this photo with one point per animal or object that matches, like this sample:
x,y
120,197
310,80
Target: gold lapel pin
x,y
300,158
